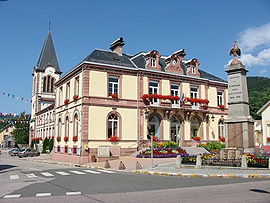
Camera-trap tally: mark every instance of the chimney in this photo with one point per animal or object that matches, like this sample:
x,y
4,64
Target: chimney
x,y
117,45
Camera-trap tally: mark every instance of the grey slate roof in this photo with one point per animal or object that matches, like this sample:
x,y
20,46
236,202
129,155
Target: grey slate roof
x,y
48,56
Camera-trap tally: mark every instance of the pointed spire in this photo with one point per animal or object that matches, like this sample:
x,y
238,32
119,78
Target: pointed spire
x,y
48,56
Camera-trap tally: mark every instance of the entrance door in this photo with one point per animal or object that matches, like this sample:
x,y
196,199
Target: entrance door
x,y
176,124
154,126
195,127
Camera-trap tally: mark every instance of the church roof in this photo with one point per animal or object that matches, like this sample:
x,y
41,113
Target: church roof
x,y
48,56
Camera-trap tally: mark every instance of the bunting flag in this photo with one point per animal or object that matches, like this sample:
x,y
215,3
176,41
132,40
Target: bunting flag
x,y
12,96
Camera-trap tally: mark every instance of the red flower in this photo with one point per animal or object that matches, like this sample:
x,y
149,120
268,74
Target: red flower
x,y
197,139
114,96
268,139
75,97
145,96
66,101
58,138
222,139
66,138
114,139
221,106
75,138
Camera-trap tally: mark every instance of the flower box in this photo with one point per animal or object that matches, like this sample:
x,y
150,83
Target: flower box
x,y
222,139
65,138
221,106
58,138
114,96
66,101
75,97
196,100
114,139
268,139
75,138
197,139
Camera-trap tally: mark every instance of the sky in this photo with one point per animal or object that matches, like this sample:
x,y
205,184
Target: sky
x,y
206,29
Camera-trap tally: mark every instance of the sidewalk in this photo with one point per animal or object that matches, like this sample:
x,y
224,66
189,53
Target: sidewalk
x,y
167,166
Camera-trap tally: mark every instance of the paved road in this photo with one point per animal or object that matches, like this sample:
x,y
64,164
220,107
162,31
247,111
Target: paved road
x,y
24,180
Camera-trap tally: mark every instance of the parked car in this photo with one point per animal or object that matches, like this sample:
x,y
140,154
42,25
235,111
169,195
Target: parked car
x,y
28,152
14,152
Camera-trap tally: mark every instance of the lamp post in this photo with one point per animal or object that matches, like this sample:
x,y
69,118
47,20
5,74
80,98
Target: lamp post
x,y
152,150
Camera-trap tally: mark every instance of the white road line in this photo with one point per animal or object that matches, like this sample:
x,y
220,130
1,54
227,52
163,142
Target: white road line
x,y
78,172
43,194
12,177
73,193
62,173
35,169
11,196
31,175
105,171
47,174
94,172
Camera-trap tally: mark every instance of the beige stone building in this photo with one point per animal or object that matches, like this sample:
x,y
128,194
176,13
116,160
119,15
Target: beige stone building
x,y
265,125
113,94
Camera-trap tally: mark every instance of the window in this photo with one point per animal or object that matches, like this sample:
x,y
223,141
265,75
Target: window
x,y
48,84
153,89
175,92
66,127
34,85
113,85
44,84
113,125
154,126
60,95
193,70
153,62
59,127
76,125
220,98
221,129
195,127
68,91
76,88
194,94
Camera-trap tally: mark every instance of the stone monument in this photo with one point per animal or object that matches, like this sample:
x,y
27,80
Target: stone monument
x,y
239,124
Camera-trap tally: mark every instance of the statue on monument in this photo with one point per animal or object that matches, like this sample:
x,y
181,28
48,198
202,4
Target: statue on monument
x,y
235,51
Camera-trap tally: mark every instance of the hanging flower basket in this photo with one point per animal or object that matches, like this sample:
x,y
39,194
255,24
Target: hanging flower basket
x,y
75,97
114,139
66,139
197,139
58,138
75,138
66,101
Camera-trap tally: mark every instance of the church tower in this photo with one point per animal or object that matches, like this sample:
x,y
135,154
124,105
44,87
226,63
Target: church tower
x,y
45,74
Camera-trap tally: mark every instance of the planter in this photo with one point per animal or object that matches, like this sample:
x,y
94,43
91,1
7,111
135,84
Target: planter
x,y
114,96
66,101
197,139
114,139
65,139
58,138
75,97
75,138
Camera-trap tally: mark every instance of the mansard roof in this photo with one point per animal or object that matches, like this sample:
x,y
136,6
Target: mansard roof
x,y
48,56
138,61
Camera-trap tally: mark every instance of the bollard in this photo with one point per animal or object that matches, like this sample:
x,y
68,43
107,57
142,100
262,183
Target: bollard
x,y
121,166
138,166
107,164
244,162
198,161
178,161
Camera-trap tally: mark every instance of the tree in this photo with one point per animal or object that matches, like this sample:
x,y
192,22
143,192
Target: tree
x,y
21,131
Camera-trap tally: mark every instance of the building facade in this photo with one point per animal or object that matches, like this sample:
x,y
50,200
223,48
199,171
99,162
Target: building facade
x,y
265,125
118,100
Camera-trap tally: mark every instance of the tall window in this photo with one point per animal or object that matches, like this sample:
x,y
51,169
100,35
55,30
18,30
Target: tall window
x,y
48,84
59,126
175,92
113,125
220,98
194,94
60,96
76,125
113,85
44,84
76,88
153,89
68,91
34,85
67,127
153,62
154,126
221,129
195,127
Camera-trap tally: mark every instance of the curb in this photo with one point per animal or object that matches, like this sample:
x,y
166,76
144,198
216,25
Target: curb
x,y
163,173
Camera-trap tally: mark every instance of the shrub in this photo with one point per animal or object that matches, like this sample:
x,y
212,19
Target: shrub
x,y
212,146
170,144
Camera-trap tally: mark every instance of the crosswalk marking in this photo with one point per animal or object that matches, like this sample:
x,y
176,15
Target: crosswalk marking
x,y
94,172
43,194
12,177
78,172
31,175
105,171
47,174
62,173
73,193
11,196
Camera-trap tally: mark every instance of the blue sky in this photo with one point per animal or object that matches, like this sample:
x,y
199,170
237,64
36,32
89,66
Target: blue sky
x,y
206,29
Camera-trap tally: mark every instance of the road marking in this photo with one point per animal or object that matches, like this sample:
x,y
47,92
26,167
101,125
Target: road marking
x,y
105,171
12,177
78,172
31,175
94,172
47,174
35,169
62,173
73,193
11,196
43,194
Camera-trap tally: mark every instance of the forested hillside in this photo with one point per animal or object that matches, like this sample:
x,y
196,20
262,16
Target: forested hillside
x,y
259,94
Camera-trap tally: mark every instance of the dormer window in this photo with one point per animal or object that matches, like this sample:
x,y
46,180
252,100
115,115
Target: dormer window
x,y
153,62
193,70
173,61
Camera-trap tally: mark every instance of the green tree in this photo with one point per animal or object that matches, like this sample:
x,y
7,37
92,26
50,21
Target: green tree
x,y
21,131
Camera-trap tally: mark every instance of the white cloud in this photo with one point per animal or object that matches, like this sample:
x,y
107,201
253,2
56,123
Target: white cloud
x,y
263,58
254,37
263,71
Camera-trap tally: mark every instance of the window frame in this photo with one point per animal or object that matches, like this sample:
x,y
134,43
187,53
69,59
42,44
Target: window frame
x,y
114,85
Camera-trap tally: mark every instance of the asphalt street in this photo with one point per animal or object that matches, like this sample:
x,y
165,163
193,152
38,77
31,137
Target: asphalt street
x,y
24,180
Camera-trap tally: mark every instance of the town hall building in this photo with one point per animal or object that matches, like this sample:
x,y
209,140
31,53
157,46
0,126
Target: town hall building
x,y
119,100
